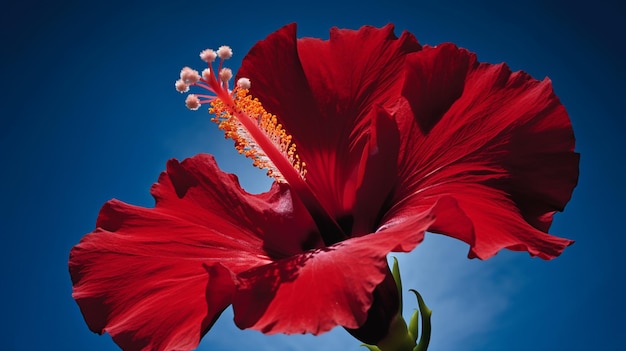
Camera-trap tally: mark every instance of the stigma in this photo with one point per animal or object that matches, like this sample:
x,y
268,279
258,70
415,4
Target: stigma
x,y
257,134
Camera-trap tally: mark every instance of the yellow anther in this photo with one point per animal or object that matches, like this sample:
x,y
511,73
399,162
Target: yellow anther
x,y
233,129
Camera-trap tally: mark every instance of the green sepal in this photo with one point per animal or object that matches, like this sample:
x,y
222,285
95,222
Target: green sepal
x,y
414,325
426,314
395,271
400,337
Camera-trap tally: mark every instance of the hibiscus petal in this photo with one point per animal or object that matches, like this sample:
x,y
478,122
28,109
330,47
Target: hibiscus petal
x,y
434,80
345,98
282,223
325,106
360,69
317,290
157,279
497,224
494,140
146,301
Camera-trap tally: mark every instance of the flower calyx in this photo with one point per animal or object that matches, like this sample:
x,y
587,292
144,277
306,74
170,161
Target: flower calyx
x,y
400,337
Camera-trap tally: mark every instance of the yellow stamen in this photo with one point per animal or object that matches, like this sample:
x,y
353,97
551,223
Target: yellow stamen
x,y
233,129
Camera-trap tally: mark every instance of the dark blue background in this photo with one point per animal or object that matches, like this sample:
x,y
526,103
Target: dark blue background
x,y
89,112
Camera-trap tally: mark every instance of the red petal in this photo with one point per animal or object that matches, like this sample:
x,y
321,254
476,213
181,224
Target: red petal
x,y
349,74
326,106
282,226
483,217
144,274
496,141
317,290
434,80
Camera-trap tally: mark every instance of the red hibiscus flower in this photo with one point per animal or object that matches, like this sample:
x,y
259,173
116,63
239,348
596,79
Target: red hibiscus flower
x,y
398,139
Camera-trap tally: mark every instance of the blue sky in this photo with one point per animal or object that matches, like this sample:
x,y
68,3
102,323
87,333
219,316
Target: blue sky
x,y
89,112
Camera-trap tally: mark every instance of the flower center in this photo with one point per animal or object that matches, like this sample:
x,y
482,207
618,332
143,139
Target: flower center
x,y
256,132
